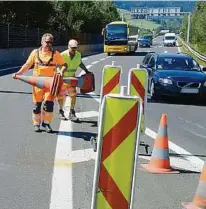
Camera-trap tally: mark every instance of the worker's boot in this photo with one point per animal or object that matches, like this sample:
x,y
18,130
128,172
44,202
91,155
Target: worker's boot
x,y
61,115
37,128
47,127
72,116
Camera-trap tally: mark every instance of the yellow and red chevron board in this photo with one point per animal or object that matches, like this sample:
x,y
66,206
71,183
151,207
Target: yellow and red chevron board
x,y
117,152
110,80
137,86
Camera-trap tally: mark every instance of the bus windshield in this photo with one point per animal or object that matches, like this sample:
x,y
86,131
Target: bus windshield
x,y
116,32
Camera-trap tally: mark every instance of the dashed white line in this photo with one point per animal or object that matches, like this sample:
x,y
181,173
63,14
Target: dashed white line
x,y
85,58
88,66
95,62
10,68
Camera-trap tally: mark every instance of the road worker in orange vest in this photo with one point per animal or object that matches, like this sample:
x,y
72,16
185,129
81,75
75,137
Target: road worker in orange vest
x,y
73,59
44,60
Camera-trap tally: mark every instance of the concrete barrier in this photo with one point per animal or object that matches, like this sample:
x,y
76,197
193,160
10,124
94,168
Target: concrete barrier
x,y
17,56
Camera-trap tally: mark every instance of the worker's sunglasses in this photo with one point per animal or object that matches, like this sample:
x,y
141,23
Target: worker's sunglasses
x,y
73,47
48,42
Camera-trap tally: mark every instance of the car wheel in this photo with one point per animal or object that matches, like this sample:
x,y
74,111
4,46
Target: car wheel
x,y
108,54
153,94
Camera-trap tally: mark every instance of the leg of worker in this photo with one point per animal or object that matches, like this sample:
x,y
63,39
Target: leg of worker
x,y
72,92
48,111
60,100
37,98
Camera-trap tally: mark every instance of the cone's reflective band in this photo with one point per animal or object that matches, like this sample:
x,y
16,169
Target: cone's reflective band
x,y
118,140
110,80
137,85
199,200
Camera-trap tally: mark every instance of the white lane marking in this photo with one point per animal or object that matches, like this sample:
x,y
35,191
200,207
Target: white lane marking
x,y
88,114
62,191
195,133
195,161
92,94
80,115
83,59
9,68
78,156
190,122
95,62
103,59
88,66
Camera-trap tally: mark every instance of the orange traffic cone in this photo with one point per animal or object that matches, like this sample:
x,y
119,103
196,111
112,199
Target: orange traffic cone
x,y
160,162
54,84
199,200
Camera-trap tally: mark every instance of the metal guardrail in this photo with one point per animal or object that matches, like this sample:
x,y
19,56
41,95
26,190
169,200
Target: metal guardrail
x,y
197,54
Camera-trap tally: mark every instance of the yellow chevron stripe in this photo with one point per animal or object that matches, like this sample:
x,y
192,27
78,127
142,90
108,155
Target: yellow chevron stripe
x,y
120,164
133,91
115,109
109,73
116,89
141,75
101,202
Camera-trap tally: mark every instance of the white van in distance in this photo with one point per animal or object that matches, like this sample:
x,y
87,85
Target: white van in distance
x,y
169,39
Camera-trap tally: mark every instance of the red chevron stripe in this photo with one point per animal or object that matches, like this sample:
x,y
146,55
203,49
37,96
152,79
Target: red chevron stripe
x,y
138,87
111,84
111,141
119,132
111,191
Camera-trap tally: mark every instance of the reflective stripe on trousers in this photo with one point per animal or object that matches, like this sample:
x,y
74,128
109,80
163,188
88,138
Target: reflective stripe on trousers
x,y
47,117
36,119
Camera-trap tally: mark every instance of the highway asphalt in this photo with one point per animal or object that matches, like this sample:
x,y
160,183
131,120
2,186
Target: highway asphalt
x,y
27,158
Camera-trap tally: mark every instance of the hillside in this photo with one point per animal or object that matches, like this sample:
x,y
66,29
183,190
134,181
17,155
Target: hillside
x,y
138,23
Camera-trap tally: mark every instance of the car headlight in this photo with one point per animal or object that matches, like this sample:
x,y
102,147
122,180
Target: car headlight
x,y
204,83
165,81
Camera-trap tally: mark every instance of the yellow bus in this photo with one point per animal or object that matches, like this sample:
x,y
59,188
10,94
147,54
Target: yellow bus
x,y
116,38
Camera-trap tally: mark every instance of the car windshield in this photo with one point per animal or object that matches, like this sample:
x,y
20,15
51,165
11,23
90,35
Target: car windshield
x,y
116,32
177,63
147,37
169,37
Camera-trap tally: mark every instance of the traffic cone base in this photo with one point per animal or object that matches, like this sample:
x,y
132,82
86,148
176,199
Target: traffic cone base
x,y
152,169
190,205
160,161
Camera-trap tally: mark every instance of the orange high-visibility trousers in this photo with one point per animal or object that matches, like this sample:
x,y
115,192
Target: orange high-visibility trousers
x,y
46,115
67,89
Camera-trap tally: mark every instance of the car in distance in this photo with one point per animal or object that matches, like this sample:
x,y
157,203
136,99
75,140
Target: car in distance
x,y
169,39
143,42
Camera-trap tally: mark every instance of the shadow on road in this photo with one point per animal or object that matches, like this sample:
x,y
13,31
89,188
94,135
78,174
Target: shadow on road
x,y
80,135
15,92
178,101
133,54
